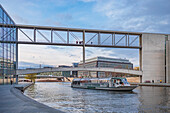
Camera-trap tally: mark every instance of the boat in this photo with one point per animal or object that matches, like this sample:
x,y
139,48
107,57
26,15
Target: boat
x,y
110,84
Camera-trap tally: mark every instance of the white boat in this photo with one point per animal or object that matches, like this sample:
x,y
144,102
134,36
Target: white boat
x,y
111,84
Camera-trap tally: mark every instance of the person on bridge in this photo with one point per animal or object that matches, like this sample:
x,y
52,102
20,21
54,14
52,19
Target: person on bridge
x,y
11,82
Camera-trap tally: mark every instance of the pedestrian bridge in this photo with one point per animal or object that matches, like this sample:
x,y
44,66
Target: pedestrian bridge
x,y
41,70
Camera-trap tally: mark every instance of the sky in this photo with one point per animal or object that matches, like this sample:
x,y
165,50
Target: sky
x,y
117,15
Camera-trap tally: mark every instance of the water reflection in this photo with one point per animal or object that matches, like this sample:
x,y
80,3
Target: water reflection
x,y
61,96
154,99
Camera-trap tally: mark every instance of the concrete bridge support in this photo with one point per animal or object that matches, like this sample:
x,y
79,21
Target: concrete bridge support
x,y
153,57
168,59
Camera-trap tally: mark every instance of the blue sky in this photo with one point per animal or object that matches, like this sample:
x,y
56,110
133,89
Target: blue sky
x,y
119,15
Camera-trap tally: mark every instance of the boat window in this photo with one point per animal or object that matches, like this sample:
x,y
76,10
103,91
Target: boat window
x,y
94,81
114,81
121,82
76,82
103,81
125,81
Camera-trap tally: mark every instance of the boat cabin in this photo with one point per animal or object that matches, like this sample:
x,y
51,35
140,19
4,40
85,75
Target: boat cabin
x,y
101,82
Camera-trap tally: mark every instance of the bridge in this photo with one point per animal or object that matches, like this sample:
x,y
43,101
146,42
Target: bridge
x,y
41,70
154,48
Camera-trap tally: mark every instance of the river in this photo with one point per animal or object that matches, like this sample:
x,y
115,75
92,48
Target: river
x,y
71,100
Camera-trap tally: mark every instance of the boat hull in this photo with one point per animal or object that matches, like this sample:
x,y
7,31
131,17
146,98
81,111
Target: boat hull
x,y
120,88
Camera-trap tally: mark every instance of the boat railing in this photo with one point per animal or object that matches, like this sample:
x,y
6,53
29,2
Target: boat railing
x,y
96,84
91,84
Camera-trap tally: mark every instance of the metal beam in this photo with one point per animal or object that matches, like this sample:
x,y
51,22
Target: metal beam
x,y
59,36
133,41
128,39
74,36
91,38
68,37
51,35
65,44
84,48
16,55
106,39
120,40
99,38
26,35
34,35
43,36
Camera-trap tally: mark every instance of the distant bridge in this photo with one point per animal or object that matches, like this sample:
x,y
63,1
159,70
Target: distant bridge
x,y
42,76
41,70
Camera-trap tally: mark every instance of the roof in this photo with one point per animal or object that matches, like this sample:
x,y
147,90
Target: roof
x,y
87,79
101,58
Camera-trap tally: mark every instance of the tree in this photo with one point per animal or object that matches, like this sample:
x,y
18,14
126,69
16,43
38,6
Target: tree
x,y
31,76
136,68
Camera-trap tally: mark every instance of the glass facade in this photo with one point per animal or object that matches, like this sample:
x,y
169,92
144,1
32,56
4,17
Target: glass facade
x,y
115,65
7,48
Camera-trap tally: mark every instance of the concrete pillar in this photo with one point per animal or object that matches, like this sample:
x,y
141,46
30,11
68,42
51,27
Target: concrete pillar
x,y
168,60
3,78
16,54
83,48
140,77
71,72
16,79
153,57
140,54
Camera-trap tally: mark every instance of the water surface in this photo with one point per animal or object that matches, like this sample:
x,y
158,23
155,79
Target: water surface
x,y
61,96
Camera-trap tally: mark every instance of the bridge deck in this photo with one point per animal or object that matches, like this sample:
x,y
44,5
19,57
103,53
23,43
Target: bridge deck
x,y
41,70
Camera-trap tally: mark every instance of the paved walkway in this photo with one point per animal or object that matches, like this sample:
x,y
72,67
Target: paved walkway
x,y
13,101
152,84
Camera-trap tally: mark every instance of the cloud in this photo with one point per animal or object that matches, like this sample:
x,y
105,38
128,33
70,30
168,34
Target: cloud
x,y
65,16
51,22
19,19
93,52
90,52
131,54
145,15
23,65
49,56
88,0
54,47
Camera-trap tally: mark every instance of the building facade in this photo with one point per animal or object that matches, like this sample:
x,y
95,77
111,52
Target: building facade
x,y
104,62
7,50
155,56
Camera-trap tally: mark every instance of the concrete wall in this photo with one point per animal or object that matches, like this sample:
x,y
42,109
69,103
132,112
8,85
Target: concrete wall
x,y
168,60
153,57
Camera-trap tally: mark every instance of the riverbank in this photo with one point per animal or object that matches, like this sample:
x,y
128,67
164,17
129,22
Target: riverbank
x,y
152,84
13,101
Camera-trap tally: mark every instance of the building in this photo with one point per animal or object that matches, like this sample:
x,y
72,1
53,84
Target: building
x,y
69,73
8,52
75,64
104,62
64,66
